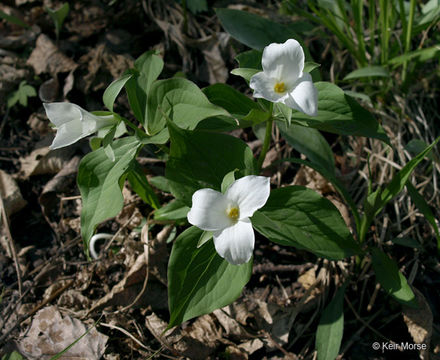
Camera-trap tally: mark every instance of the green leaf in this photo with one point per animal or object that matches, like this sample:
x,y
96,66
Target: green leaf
x,y
13,356
182,101
341,114
98,182
424,208
113,90
196,6
160,182
58,16
422,55
204,238
330,176
331,328
140,185
368,71
309,66
199,280
13,19
22,94
407,241
147,69
245,73
399,179
299,217
391,279
245,111
416,146
228,180
250,59
309,142
200,159
174,210
253,30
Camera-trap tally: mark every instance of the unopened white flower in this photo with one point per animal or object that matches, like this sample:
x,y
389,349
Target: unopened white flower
x,y
227,215
73,122
283,80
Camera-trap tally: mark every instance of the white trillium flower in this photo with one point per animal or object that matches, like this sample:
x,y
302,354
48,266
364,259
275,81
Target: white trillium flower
x,y
227,215
283,80
73,122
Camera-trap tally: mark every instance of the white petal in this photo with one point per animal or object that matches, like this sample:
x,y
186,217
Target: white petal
x,y
250,193
60,113
304,96
208,211
67,134
283,62
264,87
236,243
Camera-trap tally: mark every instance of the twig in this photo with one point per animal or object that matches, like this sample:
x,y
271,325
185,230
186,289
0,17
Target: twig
x,y
11,244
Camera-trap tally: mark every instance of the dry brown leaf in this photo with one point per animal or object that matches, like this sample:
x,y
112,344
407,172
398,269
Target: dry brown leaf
x,y
47,58
181,341
50,333
11,194
419,322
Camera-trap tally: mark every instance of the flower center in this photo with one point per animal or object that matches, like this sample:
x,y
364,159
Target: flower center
x,y
279,87
233,213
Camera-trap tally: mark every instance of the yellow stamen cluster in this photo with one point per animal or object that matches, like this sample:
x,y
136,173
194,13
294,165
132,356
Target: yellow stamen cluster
x,y
279,87
233,213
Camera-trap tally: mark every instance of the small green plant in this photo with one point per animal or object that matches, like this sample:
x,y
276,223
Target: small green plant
x,y
13,356
21,95
58,17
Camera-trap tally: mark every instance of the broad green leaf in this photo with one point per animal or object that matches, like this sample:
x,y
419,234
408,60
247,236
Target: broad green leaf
x,y
399,180
174,210
284,112
416,146
424,208
140,185
204,238
147,69
253,30
309,142
199,280
330,176
341,114
309,66
182,101
21,94
200,159
13,356
196,6
299,217
331,328
228,180
98,182
368,71
245,73
391,279
245,111
161,182
421,55
250,59
113,90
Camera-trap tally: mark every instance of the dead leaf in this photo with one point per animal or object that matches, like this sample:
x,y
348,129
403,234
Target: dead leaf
x,y
11,194
48,91
47,58
419,322
50,333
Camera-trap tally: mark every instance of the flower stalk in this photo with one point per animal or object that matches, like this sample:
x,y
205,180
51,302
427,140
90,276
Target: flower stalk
x,y
267,138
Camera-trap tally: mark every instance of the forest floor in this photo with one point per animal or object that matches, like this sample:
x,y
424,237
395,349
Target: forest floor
x,y
50,294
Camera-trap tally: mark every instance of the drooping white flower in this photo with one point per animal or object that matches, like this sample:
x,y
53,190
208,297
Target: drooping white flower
x,y
227,216
73,122
283,80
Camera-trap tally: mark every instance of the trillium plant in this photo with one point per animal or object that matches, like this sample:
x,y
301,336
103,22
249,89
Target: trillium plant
x,y
223,197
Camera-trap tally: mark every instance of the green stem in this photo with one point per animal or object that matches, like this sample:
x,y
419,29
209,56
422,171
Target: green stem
x,y
408,36
267,138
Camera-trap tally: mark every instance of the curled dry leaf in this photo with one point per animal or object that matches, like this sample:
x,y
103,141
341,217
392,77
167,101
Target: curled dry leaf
x,y
47,58
50,333
10,192
198,341
419,322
